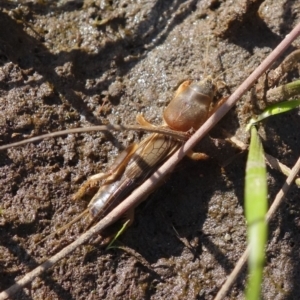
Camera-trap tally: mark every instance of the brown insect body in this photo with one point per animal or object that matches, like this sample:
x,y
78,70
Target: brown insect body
x,y
190,106
188,110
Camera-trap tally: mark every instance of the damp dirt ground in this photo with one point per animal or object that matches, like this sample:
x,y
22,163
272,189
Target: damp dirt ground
x,y
66,64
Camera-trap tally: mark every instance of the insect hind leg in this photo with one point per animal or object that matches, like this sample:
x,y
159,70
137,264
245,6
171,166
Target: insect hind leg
x,y
110,176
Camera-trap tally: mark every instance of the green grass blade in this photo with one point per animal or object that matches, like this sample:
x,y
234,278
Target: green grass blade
x,y
274,109
255,209
124,227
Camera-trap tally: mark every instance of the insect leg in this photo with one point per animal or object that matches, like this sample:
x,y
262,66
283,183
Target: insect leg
x,y
143,122
197,155
111,175
217,106
182,87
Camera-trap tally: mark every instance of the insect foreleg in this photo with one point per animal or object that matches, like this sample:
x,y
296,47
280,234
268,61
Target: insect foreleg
x,y
143,122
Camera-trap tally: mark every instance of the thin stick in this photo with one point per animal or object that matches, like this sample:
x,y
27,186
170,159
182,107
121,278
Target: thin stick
x,y
279,197
274,207
167,167
276,164
110,127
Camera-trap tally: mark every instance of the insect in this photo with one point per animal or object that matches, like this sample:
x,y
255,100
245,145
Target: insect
x,y
188,110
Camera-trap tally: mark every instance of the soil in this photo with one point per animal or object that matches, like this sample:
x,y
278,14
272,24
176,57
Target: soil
x,y
67,64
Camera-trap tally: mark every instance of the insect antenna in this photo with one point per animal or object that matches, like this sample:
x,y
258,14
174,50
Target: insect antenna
x,y
233,67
